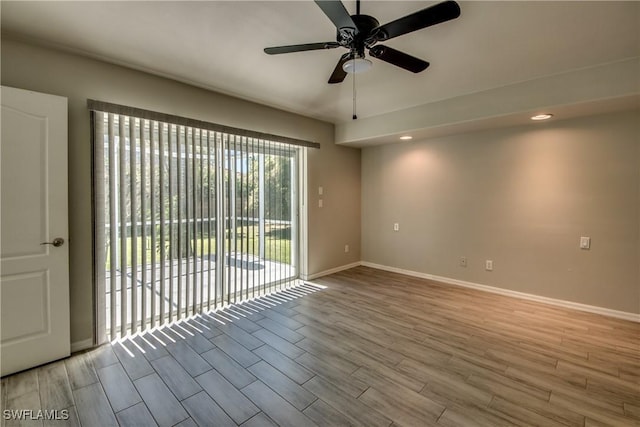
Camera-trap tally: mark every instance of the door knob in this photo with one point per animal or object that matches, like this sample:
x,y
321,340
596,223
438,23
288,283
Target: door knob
x,y
57,242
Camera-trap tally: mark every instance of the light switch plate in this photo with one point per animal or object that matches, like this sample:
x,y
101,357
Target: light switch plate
x,y
585,242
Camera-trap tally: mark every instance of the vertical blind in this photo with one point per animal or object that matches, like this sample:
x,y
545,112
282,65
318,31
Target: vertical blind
x,y
187,219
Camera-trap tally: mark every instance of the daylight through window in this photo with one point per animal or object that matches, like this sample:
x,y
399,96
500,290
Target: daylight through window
x,y
188,219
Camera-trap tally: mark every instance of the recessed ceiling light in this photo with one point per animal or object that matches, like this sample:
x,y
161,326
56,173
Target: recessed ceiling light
x,y
542,116
406,137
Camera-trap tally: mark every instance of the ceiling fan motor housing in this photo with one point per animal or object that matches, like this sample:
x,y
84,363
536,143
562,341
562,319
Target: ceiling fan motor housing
x,y
357,41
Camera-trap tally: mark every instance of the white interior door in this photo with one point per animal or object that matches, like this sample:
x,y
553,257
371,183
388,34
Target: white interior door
x,y
34,277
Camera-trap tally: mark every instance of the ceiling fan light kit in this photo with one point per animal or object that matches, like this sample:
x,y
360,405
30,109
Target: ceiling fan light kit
x,y
357,65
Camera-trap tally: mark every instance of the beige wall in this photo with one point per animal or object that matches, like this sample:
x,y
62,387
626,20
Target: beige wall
x,y
336,168
520,196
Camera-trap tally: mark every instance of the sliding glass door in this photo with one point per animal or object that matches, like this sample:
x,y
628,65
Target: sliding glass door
x,y
187,220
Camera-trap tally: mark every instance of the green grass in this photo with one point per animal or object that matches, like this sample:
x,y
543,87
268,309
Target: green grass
x,y
276,249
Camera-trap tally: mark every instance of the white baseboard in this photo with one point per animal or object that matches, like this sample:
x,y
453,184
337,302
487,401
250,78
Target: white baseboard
x,y
81,345
330,271
634,317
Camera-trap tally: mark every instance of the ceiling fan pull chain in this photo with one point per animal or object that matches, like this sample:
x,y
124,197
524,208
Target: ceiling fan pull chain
x,y
354,117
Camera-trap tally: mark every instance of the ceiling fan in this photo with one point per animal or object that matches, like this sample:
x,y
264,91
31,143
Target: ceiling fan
x,y
359,32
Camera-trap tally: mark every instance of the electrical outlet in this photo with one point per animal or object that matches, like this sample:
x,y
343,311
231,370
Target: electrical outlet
x,y
320,203
585,242
488,265
463,261
346,248
396,227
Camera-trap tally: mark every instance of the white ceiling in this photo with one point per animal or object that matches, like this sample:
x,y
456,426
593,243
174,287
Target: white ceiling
x,y
218,45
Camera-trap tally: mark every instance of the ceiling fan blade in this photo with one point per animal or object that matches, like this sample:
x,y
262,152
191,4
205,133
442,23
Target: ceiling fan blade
x,y
300,48
339,73
337,13
399,59
433,15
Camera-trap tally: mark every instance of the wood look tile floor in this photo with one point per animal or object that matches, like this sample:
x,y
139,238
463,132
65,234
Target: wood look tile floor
x,y
372,348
